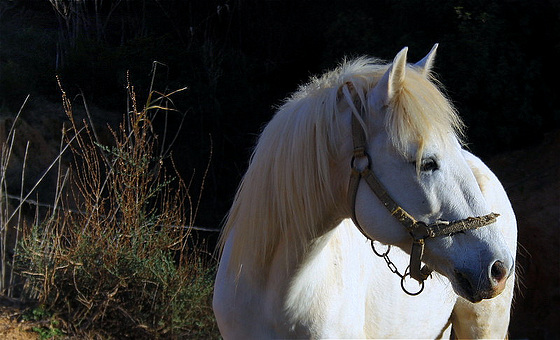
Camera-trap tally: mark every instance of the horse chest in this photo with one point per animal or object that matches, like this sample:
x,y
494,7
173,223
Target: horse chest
x,y
347,292
391,313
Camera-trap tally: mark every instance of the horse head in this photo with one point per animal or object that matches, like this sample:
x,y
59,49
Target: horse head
x,y
412,136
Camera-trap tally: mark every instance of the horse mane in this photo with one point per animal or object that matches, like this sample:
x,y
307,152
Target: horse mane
x,y
288,185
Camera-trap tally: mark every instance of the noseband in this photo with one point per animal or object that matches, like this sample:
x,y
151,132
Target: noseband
x,y
418,230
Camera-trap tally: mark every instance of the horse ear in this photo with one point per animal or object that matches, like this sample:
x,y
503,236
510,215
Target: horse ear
x,y
392,81
425,65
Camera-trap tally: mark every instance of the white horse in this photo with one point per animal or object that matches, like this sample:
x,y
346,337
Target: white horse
x,y
294,265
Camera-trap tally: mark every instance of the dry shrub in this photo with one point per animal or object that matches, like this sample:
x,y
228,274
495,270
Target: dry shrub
x,y
120,262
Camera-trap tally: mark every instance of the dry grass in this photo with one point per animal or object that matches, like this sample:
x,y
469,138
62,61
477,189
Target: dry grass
x,y
113,257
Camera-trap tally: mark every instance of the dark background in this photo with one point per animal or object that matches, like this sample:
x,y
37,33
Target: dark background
x,y
497,60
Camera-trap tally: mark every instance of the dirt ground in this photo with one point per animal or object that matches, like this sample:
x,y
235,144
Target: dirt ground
x,y
11,325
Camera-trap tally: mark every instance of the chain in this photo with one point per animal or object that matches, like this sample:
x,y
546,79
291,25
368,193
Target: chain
x,y
393,268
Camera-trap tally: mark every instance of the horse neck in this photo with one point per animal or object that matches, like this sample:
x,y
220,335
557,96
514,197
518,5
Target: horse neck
x,y
332,262
281,224
290,257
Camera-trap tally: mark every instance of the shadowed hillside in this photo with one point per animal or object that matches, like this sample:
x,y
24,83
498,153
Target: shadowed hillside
x,y
532,179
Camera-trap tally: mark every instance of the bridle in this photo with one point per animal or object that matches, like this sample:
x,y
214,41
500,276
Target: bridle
x,y
418,230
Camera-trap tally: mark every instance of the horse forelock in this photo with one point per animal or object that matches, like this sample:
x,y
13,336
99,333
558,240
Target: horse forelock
x,y
421,113
287,189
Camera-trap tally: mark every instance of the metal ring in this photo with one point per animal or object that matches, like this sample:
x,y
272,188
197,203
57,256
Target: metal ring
x,y
379,254
407,273
353,164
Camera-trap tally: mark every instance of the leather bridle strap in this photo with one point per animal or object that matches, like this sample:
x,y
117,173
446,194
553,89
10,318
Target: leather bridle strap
x,y
420,231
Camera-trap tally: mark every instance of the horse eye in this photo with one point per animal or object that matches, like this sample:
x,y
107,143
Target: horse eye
x,y
429,164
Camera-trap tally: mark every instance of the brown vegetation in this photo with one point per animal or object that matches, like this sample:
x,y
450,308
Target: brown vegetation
x,y
112,255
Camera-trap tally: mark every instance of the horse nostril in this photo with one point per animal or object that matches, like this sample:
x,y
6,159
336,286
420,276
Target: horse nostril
x,y
498,272
465,283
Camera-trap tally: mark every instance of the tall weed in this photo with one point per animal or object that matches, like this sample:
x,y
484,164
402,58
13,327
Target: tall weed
x,y
117,261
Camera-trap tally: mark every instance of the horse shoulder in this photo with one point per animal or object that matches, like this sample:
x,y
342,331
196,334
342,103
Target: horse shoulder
x,y
327,295
238,302
489,318
318,298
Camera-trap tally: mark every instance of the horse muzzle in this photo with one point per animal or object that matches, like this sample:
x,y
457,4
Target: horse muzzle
x,y
477,286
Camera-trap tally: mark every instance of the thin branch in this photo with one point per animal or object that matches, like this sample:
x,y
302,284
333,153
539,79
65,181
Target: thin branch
x,y
45,174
